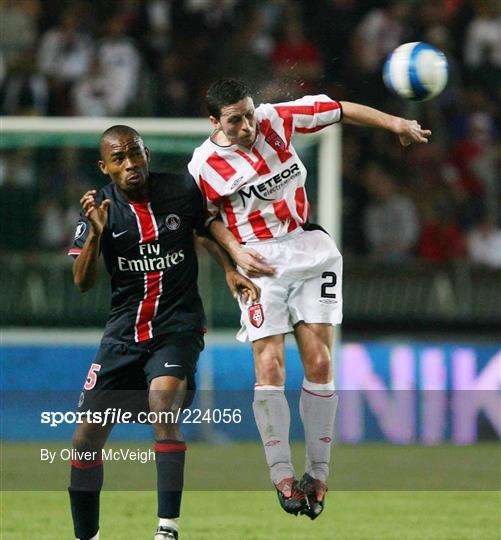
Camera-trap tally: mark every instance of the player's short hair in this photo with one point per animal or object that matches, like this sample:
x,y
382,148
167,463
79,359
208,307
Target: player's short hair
x,y
117,131
225,92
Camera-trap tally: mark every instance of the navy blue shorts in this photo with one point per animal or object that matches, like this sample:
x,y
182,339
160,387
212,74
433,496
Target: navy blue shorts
x,y
120,374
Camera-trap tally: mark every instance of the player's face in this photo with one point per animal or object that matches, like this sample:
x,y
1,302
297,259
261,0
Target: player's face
x,y
126,160
238,122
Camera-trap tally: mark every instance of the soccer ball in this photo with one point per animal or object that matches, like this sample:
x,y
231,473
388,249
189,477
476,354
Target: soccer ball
x,y
416,71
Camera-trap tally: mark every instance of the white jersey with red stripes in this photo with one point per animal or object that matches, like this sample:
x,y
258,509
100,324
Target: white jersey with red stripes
x,y
260,192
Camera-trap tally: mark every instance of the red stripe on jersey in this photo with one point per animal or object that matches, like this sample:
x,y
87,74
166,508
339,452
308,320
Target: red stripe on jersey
x,y
286,115
148,306
260,166
170,447
286,112
300,197
313,130
308,110
283,214
146,221
259,225
221,166
74,252
232,220
274,140
209,192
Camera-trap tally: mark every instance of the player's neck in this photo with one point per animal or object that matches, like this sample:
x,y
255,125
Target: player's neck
x,y
140,195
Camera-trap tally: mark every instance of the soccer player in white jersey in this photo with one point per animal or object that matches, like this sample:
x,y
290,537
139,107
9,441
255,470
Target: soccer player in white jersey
x,y
254,185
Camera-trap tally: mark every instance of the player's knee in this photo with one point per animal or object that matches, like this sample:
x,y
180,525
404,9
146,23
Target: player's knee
x,y
318,369
84,443
270,369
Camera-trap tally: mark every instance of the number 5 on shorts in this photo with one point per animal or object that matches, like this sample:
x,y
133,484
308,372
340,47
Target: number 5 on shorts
x,y
92,376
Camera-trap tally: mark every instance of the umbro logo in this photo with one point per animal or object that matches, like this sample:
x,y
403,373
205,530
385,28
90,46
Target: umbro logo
x,y
116,235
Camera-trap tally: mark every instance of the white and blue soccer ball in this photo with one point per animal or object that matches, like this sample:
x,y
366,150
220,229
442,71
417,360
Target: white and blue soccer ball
x,y
416,71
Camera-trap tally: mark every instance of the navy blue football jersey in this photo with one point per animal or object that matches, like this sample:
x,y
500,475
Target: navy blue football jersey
x,y
148,249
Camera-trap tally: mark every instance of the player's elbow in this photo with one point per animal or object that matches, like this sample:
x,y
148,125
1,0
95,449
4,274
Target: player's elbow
x,y
81,285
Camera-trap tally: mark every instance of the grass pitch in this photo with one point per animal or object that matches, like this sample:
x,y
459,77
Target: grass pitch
x,y
244,515
378,514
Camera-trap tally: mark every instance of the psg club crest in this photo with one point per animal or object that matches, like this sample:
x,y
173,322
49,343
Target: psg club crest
x,y
172,222
256,315
80,229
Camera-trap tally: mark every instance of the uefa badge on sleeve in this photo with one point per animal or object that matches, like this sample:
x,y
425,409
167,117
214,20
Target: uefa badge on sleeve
x,y
256,315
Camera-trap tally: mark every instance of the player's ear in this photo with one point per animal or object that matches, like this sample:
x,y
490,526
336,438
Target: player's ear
x,y
215,122
102,166
148,154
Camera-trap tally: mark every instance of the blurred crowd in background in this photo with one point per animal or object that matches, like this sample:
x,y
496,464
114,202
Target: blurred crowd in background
x,y
439,202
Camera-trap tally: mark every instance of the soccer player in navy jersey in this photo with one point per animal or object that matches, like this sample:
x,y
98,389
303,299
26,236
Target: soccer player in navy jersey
x,y
258,210
143,224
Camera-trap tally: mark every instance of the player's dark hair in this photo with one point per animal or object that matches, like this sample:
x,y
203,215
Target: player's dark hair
x,y
225,92
117,131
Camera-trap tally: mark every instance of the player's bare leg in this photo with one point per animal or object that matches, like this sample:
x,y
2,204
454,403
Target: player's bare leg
x,y
272,415
87,478
318,404
167,395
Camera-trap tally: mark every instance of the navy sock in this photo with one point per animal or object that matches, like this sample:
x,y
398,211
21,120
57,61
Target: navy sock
x,y
169,457
85,487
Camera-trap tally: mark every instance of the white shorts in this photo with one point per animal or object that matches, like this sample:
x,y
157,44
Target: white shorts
x,y
307,285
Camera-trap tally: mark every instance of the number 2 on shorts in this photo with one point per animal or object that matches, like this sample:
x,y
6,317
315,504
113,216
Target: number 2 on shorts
x,y
91,380
328,285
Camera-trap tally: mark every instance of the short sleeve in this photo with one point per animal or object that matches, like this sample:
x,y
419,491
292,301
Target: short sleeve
x,y
81,233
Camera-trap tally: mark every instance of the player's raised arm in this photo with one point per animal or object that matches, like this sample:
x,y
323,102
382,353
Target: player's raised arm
x,y
85,267
408,131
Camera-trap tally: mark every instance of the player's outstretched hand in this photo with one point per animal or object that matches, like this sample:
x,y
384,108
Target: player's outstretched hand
x,y
409,131
251,262
240,285
97,215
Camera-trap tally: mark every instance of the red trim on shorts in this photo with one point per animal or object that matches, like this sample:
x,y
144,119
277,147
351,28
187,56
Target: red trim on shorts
x,y
79,464
260,165
170,447
283,213
221,166
317,395
232,219
259,225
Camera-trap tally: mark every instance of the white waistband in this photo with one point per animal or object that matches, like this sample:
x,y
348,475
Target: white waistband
x,y
283,238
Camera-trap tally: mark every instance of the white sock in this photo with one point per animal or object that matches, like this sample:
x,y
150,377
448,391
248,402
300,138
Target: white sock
x,y
95,537
172,523
317,407
273,418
